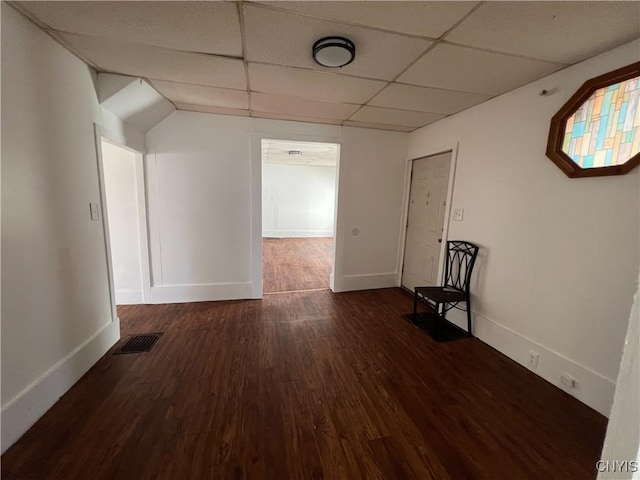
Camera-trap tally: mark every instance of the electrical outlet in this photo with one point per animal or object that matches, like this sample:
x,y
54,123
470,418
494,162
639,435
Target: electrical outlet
x,y
458,214
567,380
533,360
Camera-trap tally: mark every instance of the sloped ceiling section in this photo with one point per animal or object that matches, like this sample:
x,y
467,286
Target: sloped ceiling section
x,y
416,62
133,100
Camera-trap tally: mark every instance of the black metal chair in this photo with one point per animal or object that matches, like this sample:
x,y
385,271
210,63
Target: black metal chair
x,y
461,257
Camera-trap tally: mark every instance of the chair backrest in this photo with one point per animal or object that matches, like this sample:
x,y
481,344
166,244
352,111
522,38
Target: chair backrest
x,y
461,257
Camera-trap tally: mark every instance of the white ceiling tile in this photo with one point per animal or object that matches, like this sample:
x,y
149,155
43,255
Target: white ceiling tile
x,y
286,39
151,39
564,32
264,102
376,126
297,82
160,63
389,116
424,99
430,19
295,118
199,95
216,110
469,70
212,27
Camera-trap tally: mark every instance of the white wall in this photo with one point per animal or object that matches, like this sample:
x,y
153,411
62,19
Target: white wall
x,y
558,256
204,177
119,165
56,309
370,202
199,185
623,432
298,200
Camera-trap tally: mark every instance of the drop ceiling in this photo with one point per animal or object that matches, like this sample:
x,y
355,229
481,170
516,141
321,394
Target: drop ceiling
x,y
416,62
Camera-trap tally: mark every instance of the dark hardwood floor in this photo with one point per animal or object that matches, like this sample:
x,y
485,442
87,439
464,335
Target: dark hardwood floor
x,y
291,264
306,385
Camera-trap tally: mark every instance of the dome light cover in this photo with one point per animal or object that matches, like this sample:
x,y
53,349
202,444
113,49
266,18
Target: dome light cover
x,y
334,52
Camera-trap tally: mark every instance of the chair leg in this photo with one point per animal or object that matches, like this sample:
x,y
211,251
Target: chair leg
x,y
436,322
415,308
469,317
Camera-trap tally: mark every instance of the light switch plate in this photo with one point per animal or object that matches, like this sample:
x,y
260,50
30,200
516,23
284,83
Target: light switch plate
x,y
95,211
458,213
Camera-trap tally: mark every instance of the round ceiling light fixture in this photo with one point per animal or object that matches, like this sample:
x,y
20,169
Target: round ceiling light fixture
x,y
334,52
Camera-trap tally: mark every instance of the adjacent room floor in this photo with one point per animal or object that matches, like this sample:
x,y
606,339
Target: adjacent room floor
x,y
293,264
307,385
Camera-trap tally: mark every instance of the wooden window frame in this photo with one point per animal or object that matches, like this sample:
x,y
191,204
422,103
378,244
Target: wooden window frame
x,y
559,123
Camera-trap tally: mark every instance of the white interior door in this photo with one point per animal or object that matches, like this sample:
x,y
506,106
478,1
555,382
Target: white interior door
x,y
425,222
122,170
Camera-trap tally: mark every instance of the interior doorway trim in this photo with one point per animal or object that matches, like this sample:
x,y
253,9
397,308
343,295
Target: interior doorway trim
x,y
429,151
256,207
101,134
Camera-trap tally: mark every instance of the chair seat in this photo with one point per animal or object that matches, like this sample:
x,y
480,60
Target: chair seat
x,y
441,294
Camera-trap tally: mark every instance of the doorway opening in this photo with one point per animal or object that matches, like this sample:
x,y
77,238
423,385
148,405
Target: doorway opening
x,y
426,233
299,186
124,217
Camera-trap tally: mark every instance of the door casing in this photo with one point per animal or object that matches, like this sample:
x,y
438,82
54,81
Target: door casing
x,y
428,151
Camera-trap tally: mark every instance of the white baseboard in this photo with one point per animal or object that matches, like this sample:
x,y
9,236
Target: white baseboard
x,y
366,282
593,389
206,292
20,413
129,297
297,233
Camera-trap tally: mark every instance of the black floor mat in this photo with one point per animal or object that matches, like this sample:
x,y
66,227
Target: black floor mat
x,y
447,331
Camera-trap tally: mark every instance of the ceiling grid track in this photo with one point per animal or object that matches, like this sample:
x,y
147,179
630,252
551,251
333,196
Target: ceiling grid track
x,y
244,52
415,62
427,50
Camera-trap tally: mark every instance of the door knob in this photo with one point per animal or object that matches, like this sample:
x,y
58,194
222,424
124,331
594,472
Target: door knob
x,y
439,240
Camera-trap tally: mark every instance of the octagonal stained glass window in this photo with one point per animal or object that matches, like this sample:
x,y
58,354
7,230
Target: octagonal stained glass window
x,y
597,132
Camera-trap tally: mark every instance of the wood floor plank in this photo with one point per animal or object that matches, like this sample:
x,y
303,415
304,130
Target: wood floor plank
x,y
306,385
292,264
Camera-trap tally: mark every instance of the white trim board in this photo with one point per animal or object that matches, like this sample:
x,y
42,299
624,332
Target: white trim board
x,y
20,413
372,281
592,389
129,297
206,292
